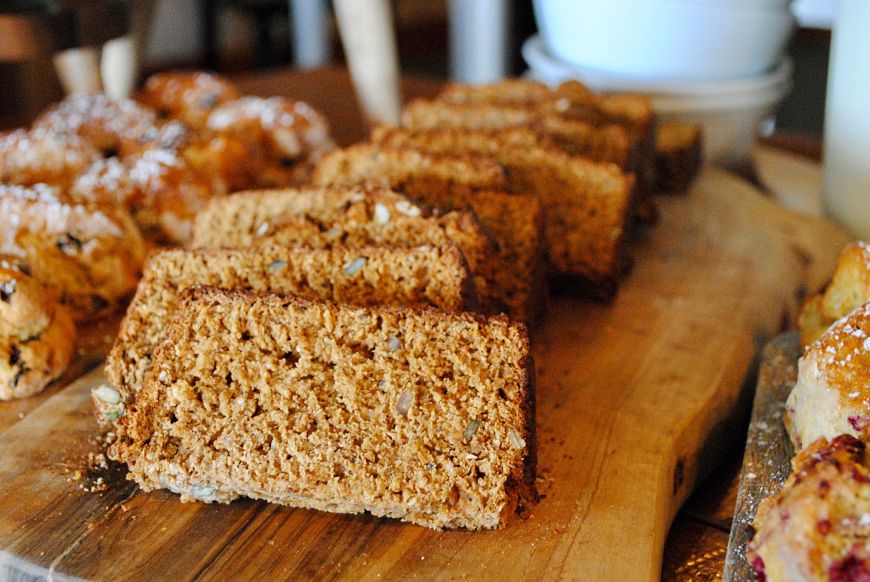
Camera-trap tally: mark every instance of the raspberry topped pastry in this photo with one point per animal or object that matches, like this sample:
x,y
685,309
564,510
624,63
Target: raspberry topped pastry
x,y
818,526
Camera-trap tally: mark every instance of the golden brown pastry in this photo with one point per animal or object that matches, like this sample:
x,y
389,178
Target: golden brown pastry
x,y
30,157
818,526
849,288
87,254
160,187
111,126
37,335
832,394
290,134
189,96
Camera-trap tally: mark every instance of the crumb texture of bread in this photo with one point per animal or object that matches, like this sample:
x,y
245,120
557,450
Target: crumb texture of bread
x,y
608,144
573,102
817,527
418,415
586,204
416,277
849,289
832,393
326,217
514,222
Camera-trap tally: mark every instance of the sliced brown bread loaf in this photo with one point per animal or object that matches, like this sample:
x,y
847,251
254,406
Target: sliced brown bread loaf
x,y
678,156
586,205
574,101
400,167
419,277
600,144
419,415
325,217
514,221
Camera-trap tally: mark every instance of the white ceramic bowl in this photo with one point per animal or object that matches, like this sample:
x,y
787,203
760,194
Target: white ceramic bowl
x,y
731,112
731,125
751,4
665,39
553,71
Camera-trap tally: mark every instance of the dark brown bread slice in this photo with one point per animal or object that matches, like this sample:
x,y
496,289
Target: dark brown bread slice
x,y
586,205
678,156
419,415
418,277
514,221
325,217
574,101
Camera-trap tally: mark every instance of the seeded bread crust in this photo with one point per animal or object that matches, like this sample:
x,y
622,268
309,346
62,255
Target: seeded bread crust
x,y
322,218
571,99
401,166
586,205
609,144
87,255
574,101
421,277
444,439
577,138
514,222
678,156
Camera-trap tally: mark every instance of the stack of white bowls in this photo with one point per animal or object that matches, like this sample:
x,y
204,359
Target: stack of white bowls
x,y
714,62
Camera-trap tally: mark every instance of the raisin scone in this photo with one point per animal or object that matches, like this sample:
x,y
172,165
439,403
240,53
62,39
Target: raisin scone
x,y
832,393
162,190
848,289
88,255
290,134
31,157
112,126
818,526
37,335
187,95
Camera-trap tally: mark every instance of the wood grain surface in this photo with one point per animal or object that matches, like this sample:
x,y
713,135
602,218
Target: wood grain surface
x,y
635,405
767,460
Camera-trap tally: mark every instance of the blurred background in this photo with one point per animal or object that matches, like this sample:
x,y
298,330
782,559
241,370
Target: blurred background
x,y
468,40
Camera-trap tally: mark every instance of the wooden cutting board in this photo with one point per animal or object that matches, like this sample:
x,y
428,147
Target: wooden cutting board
x,y
636,400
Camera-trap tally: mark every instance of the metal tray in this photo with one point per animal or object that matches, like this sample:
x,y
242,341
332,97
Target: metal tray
x,y
767,460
